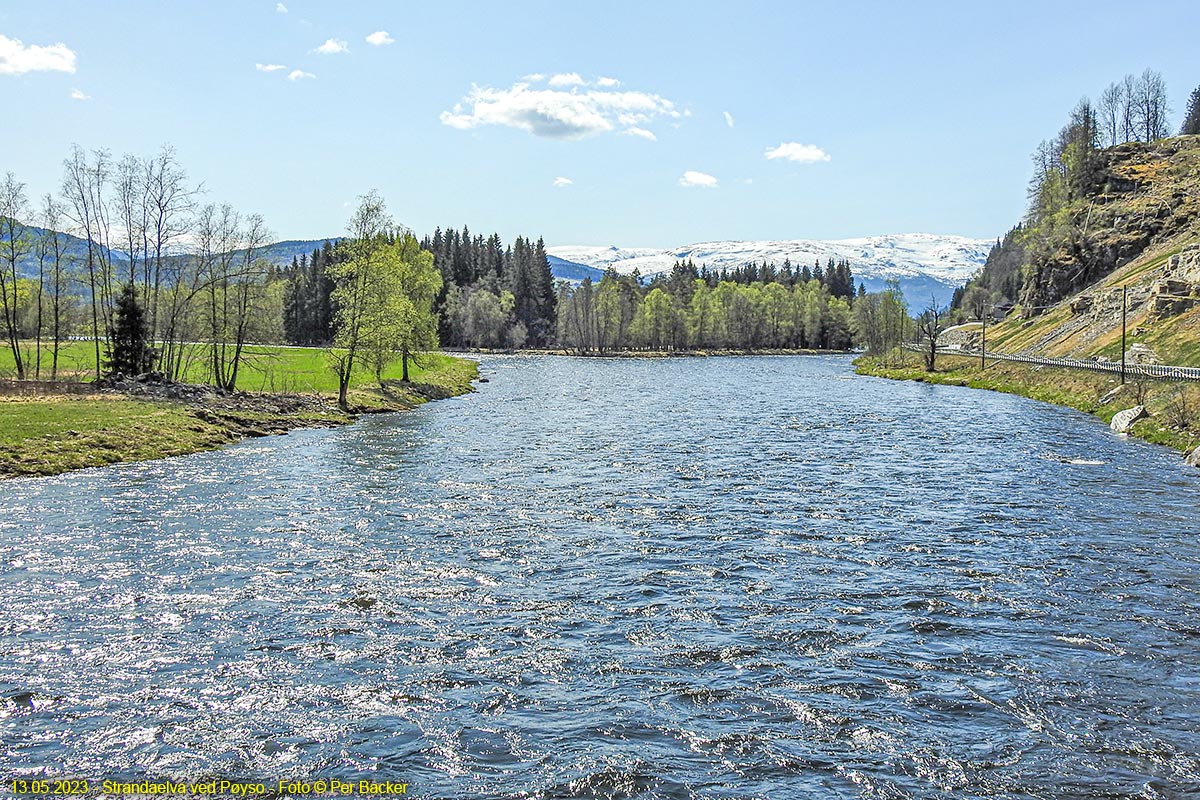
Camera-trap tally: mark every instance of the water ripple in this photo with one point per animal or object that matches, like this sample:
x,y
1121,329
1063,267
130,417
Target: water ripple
x,y
726,578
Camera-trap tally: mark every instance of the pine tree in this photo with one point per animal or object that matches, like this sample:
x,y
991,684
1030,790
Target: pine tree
x,y
129,351
543,286
1191,123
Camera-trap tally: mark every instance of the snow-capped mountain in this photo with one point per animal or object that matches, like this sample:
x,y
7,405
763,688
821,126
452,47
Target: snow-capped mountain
x,y
924,263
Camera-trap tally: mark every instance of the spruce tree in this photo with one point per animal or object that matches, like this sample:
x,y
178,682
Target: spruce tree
x,y
1191,123
129,351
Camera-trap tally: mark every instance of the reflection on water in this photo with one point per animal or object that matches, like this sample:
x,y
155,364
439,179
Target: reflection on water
x,y
721,578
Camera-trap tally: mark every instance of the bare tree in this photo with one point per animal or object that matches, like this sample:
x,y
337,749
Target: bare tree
x,y
131,208
1129,95
219,233
16,244
169,204
930,325
84,186
1111,110
54,247
247,290
1152,111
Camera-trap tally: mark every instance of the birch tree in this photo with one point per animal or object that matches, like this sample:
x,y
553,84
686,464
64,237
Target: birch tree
x,y
15,243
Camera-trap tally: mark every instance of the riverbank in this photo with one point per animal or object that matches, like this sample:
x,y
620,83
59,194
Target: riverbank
x,y
653,353
1174,408
47,432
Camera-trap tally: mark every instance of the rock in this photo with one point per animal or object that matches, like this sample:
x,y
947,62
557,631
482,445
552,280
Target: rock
x,y
1139,353
1110,395
1194,458
1122,421
363,602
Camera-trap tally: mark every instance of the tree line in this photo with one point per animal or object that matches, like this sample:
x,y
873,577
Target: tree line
x,y
492,295
752,307
129,255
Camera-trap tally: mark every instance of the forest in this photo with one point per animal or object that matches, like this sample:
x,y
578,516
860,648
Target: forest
x,y
131,256
753,307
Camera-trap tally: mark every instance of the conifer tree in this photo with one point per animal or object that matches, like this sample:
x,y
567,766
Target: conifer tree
x,y
129,351
1191,123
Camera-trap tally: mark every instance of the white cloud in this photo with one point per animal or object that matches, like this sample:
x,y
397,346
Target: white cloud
x,y
642,132
566,79
17,58
269,67
333,47
280,8
299,74
534,77
801,153
380,38
607,83
560,181
728,118
693,178
77,94
558,114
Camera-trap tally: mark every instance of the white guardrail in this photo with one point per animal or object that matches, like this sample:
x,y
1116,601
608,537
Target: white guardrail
x,y
1158,371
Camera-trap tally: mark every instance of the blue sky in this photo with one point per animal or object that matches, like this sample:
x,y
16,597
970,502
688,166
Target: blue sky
x,y
883,117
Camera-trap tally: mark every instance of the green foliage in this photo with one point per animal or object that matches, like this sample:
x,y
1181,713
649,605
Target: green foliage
x,y
881,320
1191,122
383,296
129,350
521,273
1055,251
687,312
50,435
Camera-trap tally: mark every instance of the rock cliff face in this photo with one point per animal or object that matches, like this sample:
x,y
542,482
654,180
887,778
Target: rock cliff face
x,y
1179,289
1144,195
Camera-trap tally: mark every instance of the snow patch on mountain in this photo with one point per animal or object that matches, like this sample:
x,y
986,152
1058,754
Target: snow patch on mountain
x,y
924,263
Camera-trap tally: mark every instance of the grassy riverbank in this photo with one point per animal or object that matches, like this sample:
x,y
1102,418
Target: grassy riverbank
x,y
1174,408
265,368
47,434
657,353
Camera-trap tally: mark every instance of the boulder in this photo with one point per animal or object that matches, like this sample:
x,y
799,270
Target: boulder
x,y
1139,353
1122,421
1193,458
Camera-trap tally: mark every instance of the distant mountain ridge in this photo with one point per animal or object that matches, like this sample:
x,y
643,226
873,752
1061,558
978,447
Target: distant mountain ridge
x,y
75,250
925,264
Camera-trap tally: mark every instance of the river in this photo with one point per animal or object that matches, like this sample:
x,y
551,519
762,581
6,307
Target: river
x,y
757,577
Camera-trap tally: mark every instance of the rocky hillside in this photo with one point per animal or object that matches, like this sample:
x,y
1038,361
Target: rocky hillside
x,y
1127,202
1144,195
1131,237
1161,294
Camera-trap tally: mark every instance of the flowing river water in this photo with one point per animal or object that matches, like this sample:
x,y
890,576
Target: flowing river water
x,y
714,578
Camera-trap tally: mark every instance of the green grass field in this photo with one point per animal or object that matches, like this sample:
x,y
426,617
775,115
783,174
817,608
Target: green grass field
x,y
265,368
53,434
